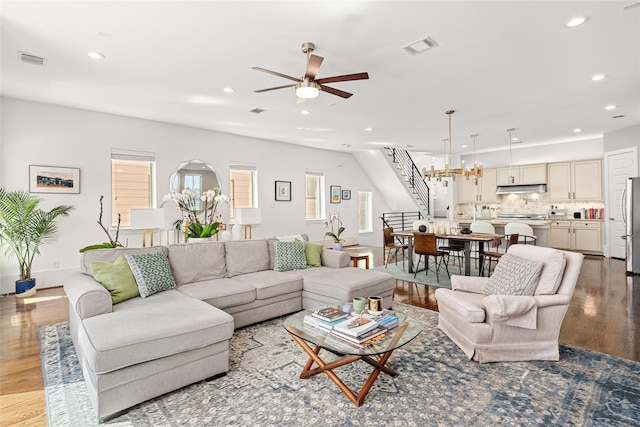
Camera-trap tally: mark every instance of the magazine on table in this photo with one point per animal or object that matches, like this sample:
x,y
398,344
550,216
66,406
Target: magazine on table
x,y
366,338
355,326
319,323
329,314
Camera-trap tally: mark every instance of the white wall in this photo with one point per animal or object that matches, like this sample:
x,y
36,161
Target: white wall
x,y
42,134
623,138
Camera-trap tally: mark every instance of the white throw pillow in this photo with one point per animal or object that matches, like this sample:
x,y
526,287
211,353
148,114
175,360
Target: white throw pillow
x,y
514,276
291,238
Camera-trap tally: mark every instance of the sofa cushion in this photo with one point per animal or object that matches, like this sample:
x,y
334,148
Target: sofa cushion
x,y
271,283
198,261
162,329
110,255
117,278
246,256
345,283
289,256
514,276
467,305
313,253
553,265
152,272
221,293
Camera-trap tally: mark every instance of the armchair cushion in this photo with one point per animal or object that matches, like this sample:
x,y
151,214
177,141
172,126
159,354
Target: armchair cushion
x,y
554,263
512,310
514,276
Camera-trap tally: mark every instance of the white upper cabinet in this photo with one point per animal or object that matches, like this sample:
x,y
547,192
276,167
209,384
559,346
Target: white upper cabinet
x,y
575,181
523,174
484,192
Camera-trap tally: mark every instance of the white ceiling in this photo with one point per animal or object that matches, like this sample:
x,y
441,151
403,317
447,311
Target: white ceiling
x,y
499,64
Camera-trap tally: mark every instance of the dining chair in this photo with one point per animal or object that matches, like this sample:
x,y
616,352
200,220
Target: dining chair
x,y
424,244
525,231
390,244
455,247
480,227
490,256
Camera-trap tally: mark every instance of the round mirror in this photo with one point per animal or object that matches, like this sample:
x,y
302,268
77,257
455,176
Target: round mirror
x,y
194,175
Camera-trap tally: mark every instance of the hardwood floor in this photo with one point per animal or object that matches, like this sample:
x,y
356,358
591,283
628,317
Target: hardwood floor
x,y
604,316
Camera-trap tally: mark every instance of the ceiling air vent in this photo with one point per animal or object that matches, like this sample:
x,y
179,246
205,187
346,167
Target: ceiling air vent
x,y
257,111
32,59
420,46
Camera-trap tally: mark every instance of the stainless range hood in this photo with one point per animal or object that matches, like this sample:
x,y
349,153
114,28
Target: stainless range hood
x,y
520,189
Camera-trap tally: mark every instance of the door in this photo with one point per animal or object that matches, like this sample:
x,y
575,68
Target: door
x,y
619,165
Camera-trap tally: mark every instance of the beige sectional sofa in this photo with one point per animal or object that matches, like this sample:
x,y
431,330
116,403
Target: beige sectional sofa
x,y
144,347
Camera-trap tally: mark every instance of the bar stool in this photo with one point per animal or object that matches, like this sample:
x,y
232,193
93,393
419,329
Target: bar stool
x,y
480,227
491,256
525,231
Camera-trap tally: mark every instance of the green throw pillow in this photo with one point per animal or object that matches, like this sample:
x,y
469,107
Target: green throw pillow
x,y
313,253
289,256
152,272
117,278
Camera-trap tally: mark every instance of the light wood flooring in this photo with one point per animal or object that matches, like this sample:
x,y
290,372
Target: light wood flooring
x,y
604,316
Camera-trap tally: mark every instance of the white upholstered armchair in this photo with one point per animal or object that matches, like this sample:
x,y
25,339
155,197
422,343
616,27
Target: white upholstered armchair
x,y
493,328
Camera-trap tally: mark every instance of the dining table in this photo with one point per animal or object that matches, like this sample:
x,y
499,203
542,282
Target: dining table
x,y
466,239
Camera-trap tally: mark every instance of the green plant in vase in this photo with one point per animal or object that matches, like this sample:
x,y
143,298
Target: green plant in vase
x,y
334,222
23,228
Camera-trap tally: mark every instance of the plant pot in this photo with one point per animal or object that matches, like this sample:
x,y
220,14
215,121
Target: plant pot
x,y
25,288
337,246
199,239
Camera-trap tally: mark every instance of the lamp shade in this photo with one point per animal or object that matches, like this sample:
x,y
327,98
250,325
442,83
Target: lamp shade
x,y
145,219
248,216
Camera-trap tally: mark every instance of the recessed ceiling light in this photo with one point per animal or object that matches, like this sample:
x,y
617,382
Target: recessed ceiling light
x,y
465,146
610,107
515,139
95,55
368,129
576,21
577,130
598,77
305,112
228,90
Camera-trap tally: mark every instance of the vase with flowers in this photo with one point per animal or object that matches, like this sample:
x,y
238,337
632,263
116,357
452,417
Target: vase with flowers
x,y
334,223
199,212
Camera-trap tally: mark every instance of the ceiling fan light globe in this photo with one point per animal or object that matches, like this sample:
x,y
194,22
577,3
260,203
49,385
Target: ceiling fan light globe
x,y
307,90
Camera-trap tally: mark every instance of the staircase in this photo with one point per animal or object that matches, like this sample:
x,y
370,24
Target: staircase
x,y
408,173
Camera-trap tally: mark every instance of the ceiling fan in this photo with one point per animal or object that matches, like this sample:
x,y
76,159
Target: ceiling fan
x,y
308,87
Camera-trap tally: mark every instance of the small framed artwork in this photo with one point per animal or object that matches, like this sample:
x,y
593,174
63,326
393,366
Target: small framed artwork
x,y
283,191
54,179
335,193
346,194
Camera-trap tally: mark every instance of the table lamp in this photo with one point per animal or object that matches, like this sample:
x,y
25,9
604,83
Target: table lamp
x,y
147,220
247,217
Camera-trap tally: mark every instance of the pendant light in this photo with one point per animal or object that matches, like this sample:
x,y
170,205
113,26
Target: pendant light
x,y
511,179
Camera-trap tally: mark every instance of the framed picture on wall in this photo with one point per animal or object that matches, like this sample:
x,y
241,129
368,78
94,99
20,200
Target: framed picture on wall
x,y
283,191
54,179
335,193
346,194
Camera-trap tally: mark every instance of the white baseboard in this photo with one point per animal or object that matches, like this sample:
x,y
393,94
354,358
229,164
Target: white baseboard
x,y
44,279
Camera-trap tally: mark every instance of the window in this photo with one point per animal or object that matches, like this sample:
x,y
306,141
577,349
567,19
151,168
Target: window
x,y
132,184
243,190
365,212
314,195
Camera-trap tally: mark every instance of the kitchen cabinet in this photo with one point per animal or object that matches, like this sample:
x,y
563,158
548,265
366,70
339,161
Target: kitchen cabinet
x,y
575,181
484,192
583,236
523,174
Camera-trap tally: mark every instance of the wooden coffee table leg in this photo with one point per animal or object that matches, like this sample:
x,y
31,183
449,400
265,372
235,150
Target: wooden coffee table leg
x,y
379,365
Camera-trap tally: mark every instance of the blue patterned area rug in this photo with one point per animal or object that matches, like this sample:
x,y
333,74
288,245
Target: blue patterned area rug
x,y
435,385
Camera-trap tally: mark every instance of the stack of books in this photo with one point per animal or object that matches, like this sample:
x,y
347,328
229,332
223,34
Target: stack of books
x,y
325,318
358,330
386,319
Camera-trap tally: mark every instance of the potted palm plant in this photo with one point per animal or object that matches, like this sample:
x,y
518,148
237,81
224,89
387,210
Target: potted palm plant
x,y
23,228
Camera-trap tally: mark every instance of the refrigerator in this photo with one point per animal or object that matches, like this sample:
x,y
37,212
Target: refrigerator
x,y
631,216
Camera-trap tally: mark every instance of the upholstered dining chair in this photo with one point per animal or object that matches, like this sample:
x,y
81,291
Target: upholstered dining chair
x,y
491,322
525,232
424,244
491,256
390,244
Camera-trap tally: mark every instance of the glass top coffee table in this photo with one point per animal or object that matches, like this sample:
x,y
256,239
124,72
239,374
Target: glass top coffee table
x,y
375,354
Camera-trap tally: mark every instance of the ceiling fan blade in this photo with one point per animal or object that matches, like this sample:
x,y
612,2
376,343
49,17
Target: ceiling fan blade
x,y
275,73
313,66
344,78
334,91
274,88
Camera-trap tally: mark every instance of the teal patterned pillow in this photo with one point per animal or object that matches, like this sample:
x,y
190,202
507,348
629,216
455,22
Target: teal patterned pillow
x,y
289,256
152,272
